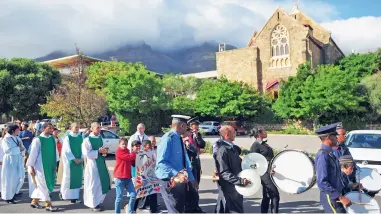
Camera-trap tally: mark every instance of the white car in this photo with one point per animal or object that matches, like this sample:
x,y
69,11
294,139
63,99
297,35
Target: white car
x,y
110,139
210,127
365,147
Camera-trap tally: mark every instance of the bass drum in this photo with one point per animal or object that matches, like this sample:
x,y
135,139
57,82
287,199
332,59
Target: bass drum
x,y
366,205
294,171
369,178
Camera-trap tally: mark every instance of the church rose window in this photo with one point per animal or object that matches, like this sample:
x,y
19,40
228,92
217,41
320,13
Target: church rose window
x,y
280,47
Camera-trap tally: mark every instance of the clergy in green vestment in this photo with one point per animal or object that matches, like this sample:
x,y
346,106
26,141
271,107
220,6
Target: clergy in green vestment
x,y
97,177
72,163
42,167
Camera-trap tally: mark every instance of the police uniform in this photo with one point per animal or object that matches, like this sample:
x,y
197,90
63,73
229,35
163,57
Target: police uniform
x,y
328,173
172,159
270,193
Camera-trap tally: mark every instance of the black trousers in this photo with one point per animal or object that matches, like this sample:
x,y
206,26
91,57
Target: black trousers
x,y
331,205
192,200
174,197
270,195
150,200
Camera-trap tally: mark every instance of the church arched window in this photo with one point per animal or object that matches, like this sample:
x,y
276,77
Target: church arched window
x,y
279,41
280,47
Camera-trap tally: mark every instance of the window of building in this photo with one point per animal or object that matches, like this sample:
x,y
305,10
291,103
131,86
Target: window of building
x,y
280,47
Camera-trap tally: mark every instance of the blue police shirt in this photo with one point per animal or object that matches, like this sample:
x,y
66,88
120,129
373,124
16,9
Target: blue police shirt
x,y
170,157
328,173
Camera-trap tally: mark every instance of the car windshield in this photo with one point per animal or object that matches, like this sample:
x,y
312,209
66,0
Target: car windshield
x,y
364,140
207,123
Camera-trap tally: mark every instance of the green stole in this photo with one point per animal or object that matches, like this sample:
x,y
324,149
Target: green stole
x,y
76,170
49,160
96,143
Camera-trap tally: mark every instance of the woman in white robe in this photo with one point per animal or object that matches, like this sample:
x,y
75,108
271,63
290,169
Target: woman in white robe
x,y
93,194
67,157
12,167
1,161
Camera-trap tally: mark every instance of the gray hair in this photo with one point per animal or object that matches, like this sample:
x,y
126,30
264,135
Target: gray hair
x,y
73,125
141,125
93,125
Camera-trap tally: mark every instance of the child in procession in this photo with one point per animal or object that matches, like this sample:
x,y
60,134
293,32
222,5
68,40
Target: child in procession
x,y
122,174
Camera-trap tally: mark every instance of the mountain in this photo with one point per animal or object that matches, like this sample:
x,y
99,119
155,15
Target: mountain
x,y
185,60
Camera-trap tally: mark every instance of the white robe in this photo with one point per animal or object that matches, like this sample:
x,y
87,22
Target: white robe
x,y
67,156
1,160
92,194
35,160
13,167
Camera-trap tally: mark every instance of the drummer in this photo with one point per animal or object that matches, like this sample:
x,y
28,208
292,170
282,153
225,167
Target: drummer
x,y
328,172
347,166
270,192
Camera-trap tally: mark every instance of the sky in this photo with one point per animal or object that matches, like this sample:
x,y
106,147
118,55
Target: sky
x,y
33,28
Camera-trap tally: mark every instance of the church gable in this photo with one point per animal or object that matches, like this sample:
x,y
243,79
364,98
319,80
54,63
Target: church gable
x,y
278,17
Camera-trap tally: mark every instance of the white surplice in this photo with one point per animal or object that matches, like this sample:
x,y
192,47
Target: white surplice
x,y
92,190
35,160
67,156
1,160
12,171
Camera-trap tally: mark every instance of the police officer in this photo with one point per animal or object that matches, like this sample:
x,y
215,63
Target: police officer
x,y
328,172
173,167
270,193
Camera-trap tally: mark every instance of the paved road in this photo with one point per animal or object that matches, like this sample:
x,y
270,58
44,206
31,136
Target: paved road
x,y
307,202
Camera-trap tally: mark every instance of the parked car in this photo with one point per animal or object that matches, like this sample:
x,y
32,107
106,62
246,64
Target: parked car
x,y
110,139
240,128
365,147
52,121
210,127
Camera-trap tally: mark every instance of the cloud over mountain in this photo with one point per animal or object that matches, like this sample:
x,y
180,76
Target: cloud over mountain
x,y
32,28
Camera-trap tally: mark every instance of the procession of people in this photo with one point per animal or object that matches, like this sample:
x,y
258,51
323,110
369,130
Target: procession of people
x,y
178,169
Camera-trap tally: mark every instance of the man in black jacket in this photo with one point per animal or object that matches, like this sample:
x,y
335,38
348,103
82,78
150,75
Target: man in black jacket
x,y
270,193
228,164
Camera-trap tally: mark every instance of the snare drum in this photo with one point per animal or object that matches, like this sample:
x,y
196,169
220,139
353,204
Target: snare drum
x,y
366,205
294,171
370,179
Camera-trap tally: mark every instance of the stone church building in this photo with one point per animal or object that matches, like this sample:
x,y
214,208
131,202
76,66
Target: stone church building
x,y
275,52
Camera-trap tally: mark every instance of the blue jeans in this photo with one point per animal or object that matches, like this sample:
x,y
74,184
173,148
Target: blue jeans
x,y
120,184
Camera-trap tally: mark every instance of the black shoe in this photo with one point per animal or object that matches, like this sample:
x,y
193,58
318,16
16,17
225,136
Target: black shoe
x,y
51,209
12,201
36,206
75,201
97,209
60,196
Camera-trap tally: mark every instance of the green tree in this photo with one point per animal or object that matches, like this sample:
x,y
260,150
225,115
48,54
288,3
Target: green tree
x,y
360,65
5,91
288,105
176,85
228,100
325,92
373,86
30,83
99,72
136,95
